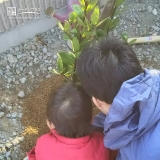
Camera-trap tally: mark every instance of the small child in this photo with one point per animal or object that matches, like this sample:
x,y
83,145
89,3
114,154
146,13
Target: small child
x,y
127,95
69,113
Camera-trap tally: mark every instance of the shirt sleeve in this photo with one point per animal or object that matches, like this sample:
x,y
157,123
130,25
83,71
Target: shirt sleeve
x,y
98,120
31,154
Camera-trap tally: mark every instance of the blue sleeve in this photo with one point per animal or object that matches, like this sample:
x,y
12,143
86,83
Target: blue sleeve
x,y
98,120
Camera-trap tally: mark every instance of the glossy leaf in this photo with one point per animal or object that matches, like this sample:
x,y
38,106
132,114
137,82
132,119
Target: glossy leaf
x,y
60,64
118,2
67,58
132,41
91,5
75,44
65,36
95,16
60,26
77,9
67,26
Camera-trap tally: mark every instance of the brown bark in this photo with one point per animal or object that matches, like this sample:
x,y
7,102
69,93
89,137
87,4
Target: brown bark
x,y
107,11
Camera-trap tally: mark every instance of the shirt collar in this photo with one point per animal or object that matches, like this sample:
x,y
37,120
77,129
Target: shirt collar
x,y
68,140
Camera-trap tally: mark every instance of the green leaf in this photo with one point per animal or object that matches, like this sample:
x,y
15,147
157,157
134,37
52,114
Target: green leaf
x,y
60,64
109,23
84,42
74,30
87,34
72,17
65,36
75,44
81,22
91,5
82,3
132,41
95,16
77,54
87,24
115,22
77,9
67,58
125,36
118,3
67,26
101,33
55,71
60,26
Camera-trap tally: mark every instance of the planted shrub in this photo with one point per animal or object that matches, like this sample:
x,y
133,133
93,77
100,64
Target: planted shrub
x,y
83,26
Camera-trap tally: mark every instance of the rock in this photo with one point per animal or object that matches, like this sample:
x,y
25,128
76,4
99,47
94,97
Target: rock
x,y
9,145
55,56
11,58
21,138
1,114
115,33
9,80
8,108
45,50
15,141
16,49
156,28
14,114
20,115
3,105
149,9
14,133
154,12
23,80
49,68
53,30
8,115
21,94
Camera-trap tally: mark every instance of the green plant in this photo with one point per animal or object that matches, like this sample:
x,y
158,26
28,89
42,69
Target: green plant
x,y
82,27
125,37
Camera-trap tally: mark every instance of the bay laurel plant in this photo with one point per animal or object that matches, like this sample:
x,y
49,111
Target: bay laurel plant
x,y
83,26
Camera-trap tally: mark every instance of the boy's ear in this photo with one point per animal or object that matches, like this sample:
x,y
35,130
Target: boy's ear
x,y
50,125
96,102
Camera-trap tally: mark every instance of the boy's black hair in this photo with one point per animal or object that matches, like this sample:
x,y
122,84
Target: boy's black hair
x,y
70,110
103,66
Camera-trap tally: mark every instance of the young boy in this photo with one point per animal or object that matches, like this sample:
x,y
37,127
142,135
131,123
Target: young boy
x,y
127,95
69,114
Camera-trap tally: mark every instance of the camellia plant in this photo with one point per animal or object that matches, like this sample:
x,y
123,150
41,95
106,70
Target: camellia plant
x,y
83,26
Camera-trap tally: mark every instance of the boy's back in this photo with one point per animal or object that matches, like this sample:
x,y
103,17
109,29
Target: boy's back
x,y
53,146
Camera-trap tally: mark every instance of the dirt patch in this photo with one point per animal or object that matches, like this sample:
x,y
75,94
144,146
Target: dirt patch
x,y
34,111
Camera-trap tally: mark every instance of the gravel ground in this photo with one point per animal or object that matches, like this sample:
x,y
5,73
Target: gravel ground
x,y
24,66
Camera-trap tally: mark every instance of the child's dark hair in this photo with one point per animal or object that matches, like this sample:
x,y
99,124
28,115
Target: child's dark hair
x,y
103,66
70,110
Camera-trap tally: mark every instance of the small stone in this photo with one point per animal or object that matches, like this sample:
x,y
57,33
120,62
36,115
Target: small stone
x,y
8,108
55,56
156,28
14,114
9,145
149,9
8,115
34,47
1,114
154,12
9,80
115,33
21,138
3,105
15,141
23,80
16,49
48,76
14,133
30,64
45,50
20,115
52,30
21,94
30,73
11,58
49,68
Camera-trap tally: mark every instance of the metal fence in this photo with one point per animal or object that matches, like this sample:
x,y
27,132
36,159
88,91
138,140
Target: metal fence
x,y
13,12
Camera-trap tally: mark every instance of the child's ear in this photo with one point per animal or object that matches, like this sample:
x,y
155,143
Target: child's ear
x,y
50,125
96,102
